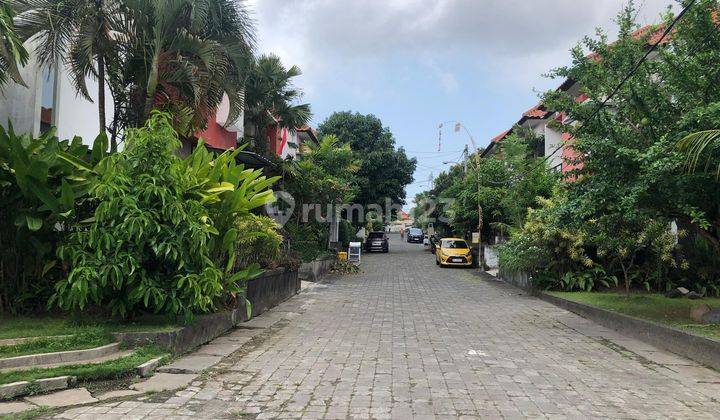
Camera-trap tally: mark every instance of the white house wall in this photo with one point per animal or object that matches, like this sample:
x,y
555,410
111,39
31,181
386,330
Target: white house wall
x,y
72,115
75,115
21,105
222,114
553,139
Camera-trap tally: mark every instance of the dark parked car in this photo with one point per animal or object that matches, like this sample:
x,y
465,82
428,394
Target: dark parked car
x,y
376,241
415,235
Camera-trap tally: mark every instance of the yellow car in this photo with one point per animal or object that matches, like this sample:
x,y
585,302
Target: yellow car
x,y
453,251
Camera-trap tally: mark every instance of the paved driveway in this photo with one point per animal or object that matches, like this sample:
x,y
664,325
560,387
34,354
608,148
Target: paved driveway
x,y
407,339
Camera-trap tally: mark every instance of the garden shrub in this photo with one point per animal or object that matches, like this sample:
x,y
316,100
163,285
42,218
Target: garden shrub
x,y
258,241
41,196
231,192
147,245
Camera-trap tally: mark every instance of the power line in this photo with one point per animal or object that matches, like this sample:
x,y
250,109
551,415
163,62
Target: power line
x,y
625,79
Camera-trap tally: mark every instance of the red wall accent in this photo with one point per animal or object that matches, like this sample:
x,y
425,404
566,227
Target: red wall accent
x,y
569,154
217,136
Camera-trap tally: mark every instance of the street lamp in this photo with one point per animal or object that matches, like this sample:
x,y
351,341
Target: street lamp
x,y
457,127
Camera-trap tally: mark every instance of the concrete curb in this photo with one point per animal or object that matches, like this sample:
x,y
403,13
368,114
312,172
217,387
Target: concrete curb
x,y
180,340
148,368
58,357
265,291
700,349
17,389
23,340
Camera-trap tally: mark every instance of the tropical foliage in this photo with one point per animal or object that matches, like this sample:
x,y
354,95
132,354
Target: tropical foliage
x,y
322,180
147,245
507,184
699,147
12,52
40,198
271,99
638,209
178,56
384,170
633,184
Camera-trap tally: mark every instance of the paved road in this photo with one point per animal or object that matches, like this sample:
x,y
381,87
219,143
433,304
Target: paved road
x,y
407,339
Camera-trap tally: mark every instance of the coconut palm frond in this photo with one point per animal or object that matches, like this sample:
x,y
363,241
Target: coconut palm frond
x,y
12,51
696,147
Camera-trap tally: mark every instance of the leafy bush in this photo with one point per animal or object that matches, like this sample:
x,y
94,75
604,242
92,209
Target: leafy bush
x,y
307,240
38,202
546,242
148,244
583,280
257,242
230,192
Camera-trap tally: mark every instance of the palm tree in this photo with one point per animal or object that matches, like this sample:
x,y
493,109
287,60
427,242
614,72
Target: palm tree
x,y
77,33
11,48
181,56
270,96
698,146
185,55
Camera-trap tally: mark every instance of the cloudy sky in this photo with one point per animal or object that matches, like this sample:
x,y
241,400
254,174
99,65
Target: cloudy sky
x,y
417,63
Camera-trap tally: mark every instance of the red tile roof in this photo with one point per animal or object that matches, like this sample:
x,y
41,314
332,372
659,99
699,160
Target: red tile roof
x,y
309,130
501,136
653,32
538,111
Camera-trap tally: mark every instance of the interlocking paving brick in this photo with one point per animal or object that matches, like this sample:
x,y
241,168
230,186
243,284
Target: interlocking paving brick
x,y
406,339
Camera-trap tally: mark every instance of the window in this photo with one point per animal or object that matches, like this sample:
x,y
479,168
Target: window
x,y
47,105
454,244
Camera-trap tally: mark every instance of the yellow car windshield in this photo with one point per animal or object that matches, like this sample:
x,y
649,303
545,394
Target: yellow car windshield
x,y
454,244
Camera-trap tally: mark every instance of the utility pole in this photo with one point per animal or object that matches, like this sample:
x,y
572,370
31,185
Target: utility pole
x,y
481,254
457,128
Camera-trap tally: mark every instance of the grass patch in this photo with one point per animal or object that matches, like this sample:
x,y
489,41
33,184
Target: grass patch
x,y
87,339
653,307
111,369
28,415
19,327
27,326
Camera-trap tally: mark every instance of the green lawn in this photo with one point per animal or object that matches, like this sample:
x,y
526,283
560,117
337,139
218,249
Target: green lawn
x,y
86,339
17,327
27,326
80,334
84,372
653,307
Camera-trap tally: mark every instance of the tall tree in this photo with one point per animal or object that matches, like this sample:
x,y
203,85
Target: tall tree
x,y
384,170
12,51
632,170
271,98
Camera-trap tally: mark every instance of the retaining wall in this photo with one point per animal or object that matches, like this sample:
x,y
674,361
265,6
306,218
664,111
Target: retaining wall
x,y
264,292
314,270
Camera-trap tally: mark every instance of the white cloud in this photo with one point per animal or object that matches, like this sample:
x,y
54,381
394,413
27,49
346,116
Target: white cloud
x,y
348,40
